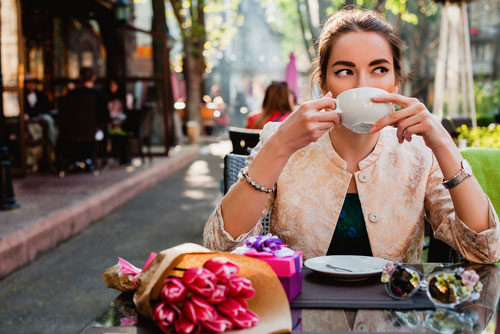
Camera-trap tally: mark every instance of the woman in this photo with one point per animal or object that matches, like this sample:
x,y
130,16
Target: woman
x,y
380,186
275,107
115,102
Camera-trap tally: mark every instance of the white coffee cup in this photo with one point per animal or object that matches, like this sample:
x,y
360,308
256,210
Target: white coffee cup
x,y
357,110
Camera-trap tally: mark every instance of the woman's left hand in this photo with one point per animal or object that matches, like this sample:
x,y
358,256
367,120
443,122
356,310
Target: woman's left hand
x,y
413,118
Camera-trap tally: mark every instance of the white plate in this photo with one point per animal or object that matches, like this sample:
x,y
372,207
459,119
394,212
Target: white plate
x,y
359,266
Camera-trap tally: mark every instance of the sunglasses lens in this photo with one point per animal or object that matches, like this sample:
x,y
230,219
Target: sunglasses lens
x,y
403,282
442,290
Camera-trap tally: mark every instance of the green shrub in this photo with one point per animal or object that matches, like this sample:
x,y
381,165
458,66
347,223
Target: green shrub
x,y
487,98
482,136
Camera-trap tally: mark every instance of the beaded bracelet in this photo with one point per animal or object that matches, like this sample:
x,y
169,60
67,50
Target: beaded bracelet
x,y
243,175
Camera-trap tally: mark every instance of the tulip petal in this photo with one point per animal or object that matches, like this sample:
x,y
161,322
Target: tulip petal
x,y
240,286
245,320
185,326
164,315
231,308
218,295
222,267
200,281
218,325
173,291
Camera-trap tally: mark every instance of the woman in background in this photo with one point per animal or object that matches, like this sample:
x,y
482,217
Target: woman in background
x,y
275,107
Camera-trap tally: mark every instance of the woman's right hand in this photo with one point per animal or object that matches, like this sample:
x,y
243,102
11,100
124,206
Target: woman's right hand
x,y
307,124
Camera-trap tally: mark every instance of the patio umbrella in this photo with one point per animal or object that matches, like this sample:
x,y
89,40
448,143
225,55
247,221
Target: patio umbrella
x,y
292,75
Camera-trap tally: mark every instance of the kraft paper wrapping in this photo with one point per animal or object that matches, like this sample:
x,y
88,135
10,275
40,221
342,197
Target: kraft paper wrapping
x,y
269,303
116,280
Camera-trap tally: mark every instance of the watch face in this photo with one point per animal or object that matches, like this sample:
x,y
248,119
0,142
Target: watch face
x,y
467,167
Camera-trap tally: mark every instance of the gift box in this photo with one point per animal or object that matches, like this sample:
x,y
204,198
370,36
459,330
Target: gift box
x,y
289,271
285,262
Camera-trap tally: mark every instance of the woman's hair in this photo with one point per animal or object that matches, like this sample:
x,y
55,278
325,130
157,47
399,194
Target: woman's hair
x,y
275,99
355,20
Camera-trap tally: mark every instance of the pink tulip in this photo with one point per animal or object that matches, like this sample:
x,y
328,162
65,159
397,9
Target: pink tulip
x,y
218,325
164,315
246,320
232,307
197,309
200,281
236,310
185,326
222,267
218,295
173,291
240,286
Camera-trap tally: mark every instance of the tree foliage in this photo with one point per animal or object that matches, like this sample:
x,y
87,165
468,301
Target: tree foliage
x,y
301,19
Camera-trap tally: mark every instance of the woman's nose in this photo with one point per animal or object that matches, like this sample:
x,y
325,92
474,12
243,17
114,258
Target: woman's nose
x,y
363,80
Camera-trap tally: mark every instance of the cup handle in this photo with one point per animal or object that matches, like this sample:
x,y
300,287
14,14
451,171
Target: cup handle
x,y
337,108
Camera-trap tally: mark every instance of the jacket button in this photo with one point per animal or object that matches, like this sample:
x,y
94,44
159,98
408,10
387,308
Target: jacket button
x,y
373,217
363,177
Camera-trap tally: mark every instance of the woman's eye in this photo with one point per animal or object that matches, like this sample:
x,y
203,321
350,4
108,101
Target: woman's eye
x,y
381,70
343,73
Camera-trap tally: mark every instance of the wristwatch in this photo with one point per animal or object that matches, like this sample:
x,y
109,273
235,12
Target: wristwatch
x,y
462,174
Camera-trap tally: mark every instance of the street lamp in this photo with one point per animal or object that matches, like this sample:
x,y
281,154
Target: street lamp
x,y
121,10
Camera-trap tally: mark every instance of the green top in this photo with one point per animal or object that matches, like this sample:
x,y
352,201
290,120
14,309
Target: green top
x,y
350,237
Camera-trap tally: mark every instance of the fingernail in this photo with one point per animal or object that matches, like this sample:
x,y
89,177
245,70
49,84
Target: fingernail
x,y
373,129
329,94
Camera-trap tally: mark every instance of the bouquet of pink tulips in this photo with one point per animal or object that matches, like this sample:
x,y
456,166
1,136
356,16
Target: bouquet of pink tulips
x,y
211,298
188,289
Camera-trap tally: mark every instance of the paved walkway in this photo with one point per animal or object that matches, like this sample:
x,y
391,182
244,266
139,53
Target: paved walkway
x,y
62,291
54,208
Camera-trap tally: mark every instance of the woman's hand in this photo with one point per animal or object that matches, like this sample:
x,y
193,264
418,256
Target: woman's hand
x,y
414,118
307,124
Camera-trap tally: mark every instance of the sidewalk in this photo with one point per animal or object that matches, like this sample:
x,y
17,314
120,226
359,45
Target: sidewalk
x,y
54,208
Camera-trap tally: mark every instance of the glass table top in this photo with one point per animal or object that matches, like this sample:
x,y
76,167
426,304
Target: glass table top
x,y
480,316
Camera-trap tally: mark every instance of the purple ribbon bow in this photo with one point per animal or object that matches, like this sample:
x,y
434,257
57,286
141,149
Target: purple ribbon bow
x,y
265,243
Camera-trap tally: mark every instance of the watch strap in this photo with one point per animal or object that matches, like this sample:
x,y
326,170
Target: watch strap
x,y
456,179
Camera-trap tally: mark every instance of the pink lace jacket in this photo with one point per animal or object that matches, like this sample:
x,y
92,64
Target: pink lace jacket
x,y
399,186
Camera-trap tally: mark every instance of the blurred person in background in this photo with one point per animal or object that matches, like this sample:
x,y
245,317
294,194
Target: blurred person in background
x,y
88,151
88,78
36,102
116,98
275,107
40,126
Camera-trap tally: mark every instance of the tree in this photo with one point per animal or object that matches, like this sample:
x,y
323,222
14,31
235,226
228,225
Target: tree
x,y
191,21
422,40
299,14
161,63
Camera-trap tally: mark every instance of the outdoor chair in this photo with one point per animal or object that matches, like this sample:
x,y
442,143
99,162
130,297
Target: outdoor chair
x,y
451,124
233,163
484,162
439,251
140,124
243,140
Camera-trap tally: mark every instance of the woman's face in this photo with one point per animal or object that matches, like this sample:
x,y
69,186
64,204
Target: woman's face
x,y
360,59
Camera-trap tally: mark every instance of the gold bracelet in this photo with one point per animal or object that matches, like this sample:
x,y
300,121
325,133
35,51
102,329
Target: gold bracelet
x,y
243,175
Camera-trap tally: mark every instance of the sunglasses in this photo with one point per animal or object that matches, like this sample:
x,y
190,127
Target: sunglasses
x,y
446,288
